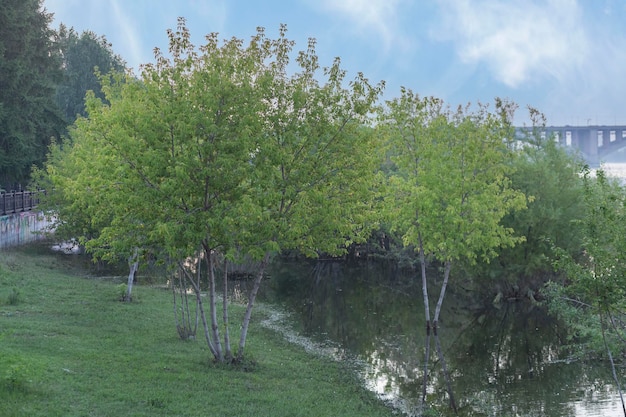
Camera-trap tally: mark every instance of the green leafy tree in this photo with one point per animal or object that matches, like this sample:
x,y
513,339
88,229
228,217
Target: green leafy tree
x,y
220,154
451,187
82,56
29,72
597,280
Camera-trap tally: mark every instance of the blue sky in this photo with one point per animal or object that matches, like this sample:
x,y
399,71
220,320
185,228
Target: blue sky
x,y
565,57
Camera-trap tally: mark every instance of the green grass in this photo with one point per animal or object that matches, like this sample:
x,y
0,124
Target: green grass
x,y
69,347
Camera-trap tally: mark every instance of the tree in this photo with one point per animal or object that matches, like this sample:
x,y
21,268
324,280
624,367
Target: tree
x,y
219,155
29,73
451,187
597,280
82,56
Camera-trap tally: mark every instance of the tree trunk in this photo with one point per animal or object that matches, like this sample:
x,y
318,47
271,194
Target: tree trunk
x,y
442,294
427,314
198,279
424,283
207,333
251,299
608,351
213,307
227,350
133,263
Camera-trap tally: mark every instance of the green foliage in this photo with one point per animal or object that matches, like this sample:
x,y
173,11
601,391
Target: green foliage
x,y
583,337
29,72
74,219
122,290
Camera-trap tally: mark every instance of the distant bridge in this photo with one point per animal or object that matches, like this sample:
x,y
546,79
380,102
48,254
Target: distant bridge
x,y
595,143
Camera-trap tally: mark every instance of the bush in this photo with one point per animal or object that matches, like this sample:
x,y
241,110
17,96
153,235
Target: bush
x,y
16,372
14,297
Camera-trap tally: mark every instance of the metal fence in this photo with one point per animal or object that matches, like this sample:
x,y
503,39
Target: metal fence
x,y
18,201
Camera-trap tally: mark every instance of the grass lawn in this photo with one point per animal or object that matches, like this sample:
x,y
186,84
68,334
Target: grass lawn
x,y
68,347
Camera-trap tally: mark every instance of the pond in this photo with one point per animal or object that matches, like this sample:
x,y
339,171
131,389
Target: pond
x,y
506,361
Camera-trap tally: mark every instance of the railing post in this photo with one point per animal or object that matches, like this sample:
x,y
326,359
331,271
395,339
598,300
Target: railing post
x,y
19,198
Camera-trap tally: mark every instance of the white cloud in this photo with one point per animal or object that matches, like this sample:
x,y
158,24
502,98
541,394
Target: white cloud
x,y
371,16
517,40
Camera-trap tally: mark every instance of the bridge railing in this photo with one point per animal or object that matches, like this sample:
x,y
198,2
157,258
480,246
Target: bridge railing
x,y
18,201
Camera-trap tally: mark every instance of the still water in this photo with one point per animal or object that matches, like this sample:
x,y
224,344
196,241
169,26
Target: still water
x,y
506,361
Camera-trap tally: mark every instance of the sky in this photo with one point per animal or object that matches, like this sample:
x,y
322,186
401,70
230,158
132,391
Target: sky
x,y
567,58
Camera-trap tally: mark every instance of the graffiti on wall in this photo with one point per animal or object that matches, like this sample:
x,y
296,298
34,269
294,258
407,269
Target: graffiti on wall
x,y
19,228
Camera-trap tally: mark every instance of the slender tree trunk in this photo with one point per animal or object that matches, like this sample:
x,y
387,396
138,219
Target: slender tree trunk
x,y
608,351
227,350
424,283
427,314
213,306
205,324
207,333
133,263
445,373
251,299
183,318
198,279
174,293
442,293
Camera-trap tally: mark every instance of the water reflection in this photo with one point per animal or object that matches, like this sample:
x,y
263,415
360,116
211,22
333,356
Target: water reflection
x,y
502,362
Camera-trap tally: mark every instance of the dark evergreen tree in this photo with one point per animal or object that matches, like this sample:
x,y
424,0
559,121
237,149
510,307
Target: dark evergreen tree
x,y
82,55
29,74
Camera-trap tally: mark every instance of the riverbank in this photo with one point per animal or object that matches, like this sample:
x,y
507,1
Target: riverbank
x,y
70,348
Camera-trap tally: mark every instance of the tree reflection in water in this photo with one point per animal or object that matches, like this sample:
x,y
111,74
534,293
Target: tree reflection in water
x,y
507,361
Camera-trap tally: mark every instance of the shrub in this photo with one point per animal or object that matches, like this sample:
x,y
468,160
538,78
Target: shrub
x,y
14,297
16,372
